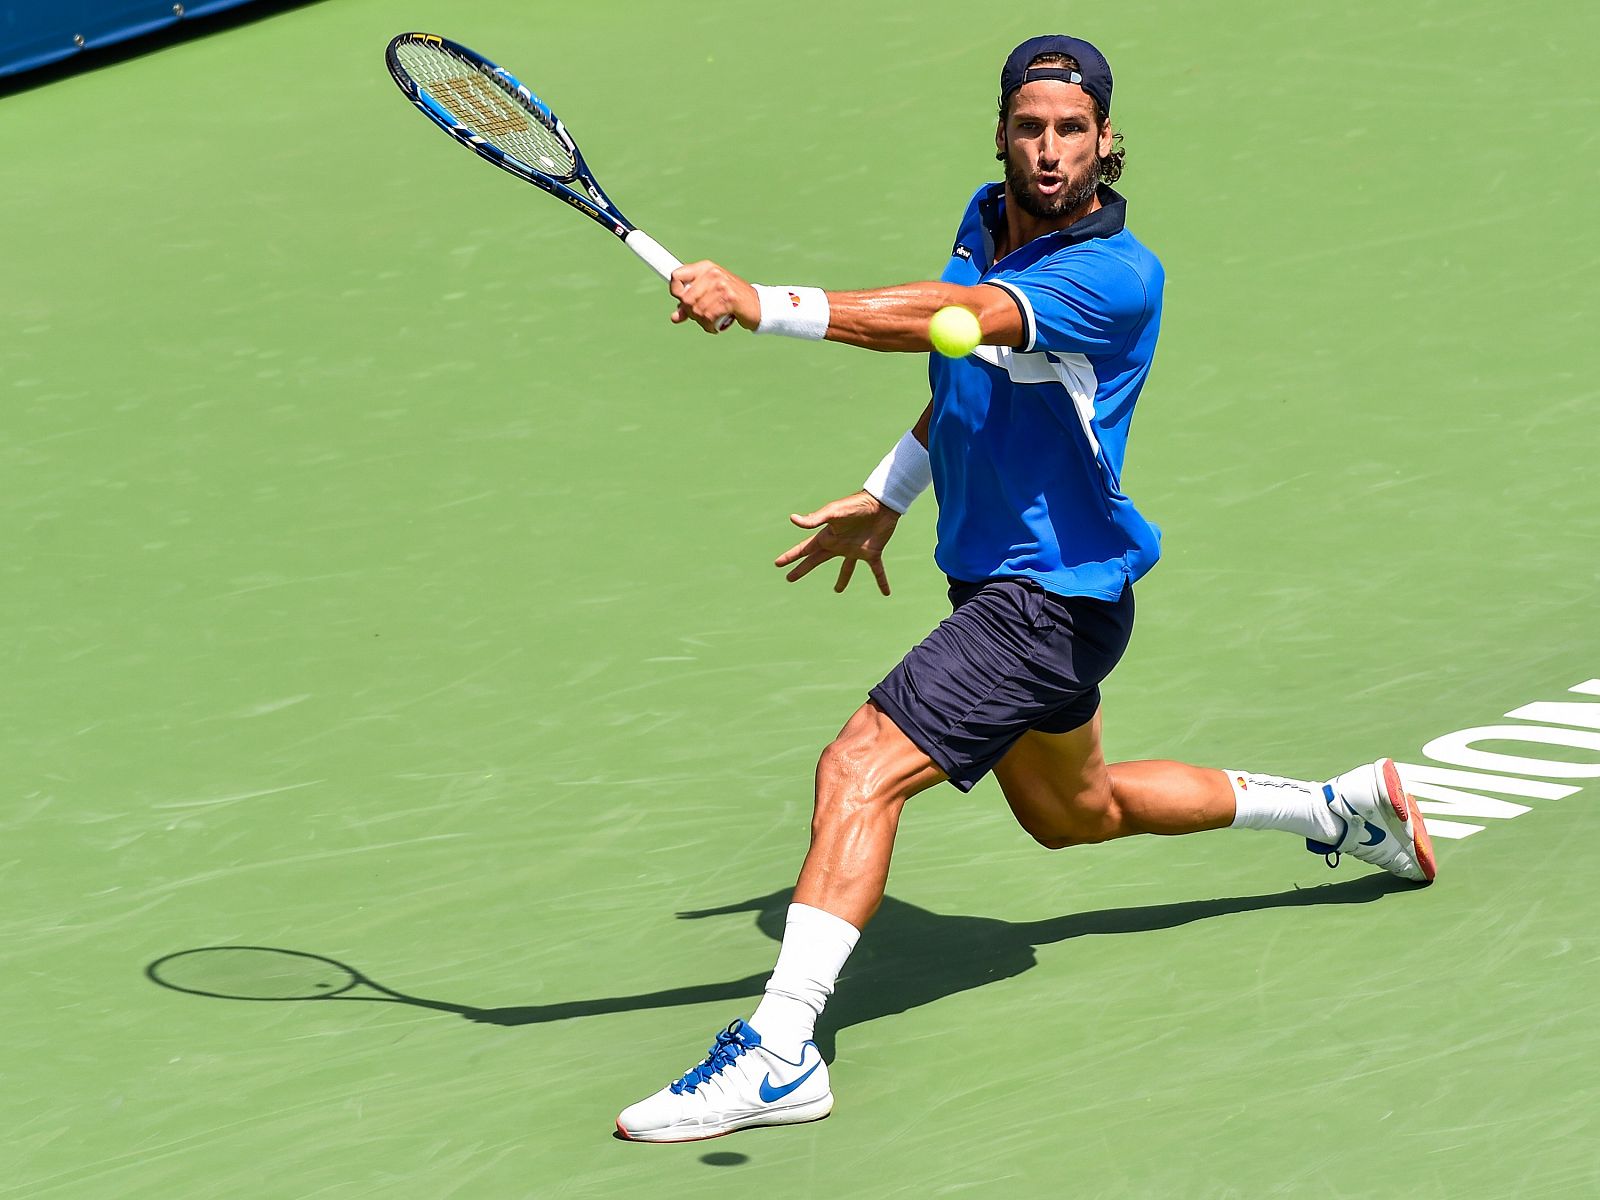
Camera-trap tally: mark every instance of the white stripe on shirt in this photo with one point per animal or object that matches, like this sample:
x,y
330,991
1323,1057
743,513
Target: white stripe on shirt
x,y
1074,372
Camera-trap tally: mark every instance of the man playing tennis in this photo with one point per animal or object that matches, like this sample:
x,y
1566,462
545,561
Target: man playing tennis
x,y
1024,442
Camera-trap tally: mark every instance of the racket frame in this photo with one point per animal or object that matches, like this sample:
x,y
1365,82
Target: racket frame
x,y
592,202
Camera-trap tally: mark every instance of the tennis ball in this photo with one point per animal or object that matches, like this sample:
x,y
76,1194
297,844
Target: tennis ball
x,y
954,332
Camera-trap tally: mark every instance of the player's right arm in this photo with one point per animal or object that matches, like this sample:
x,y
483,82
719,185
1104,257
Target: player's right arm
x,y
890,319
897,318
855,528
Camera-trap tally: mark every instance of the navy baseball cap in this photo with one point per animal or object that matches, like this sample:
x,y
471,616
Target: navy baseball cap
x,y
1093,74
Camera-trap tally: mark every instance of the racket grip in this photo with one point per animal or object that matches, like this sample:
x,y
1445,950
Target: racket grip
x,y
656,256
659,259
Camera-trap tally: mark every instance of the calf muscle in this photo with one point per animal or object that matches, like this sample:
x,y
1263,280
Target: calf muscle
x,y
1063,793
864,778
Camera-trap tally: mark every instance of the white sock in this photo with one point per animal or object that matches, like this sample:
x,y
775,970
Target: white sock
x,y
815,947
1292,805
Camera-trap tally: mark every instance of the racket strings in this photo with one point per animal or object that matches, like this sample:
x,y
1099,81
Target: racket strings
x,y
488,110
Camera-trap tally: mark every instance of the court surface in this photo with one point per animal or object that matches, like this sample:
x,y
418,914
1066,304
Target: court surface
x,y
382,577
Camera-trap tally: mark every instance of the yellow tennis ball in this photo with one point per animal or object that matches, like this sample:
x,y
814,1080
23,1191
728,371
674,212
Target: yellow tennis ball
x,y
954,332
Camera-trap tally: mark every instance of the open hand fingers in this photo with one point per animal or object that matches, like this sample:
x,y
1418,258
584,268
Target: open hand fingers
x,y
853,528
848,506
811,554
792,553
847,570
878,573
807,565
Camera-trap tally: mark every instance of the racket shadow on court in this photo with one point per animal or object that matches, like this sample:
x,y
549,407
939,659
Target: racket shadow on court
x,y
913,957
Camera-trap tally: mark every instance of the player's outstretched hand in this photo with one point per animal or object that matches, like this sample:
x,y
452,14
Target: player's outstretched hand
x,y
708,295
855,528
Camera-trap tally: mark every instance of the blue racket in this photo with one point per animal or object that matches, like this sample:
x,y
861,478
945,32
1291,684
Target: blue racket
x,y
485,108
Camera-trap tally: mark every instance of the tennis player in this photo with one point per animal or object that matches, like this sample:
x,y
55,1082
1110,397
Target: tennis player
x,y
1023,442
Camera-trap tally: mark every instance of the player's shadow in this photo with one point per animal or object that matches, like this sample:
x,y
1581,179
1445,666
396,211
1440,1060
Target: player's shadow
x,y
913,957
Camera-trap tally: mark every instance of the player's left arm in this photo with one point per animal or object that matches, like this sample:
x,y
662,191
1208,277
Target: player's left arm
x,y
891,318
857,527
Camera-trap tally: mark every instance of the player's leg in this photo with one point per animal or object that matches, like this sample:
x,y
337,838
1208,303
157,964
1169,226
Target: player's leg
x,y
768,1071
1364,812
1064,794
864,778
1055,775
951,709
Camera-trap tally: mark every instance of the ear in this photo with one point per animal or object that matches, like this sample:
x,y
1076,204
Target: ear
x,y
1000,140
1107,138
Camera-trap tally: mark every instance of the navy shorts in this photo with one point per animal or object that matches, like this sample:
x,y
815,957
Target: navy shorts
x,y
1010,658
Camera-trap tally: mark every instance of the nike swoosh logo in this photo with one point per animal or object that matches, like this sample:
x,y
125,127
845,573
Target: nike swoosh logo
x,y
1377,835
770,1094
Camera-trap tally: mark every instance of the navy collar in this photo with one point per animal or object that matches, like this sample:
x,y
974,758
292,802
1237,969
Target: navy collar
x,y
1106,221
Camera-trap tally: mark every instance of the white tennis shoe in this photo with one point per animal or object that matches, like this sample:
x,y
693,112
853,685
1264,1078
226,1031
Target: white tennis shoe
x,y
1381,823
741,1083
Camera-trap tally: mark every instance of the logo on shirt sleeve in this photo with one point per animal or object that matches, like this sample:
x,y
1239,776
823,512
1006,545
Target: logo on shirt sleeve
x,y
961,252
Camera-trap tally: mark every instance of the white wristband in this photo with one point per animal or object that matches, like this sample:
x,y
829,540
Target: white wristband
x,y
798,312
902,476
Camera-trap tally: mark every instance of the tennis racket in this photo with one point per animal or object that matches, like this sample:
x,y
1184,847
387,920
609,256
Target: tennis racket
x,y
485,108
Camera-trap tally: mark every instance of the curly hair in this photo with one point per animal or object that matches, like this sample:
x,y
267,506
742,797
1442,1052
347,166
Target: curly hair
x,y
1111,165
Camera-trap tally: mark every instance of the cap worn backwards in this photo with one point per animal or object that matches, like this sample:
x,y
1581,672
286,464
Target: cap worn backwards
x,y
1093,74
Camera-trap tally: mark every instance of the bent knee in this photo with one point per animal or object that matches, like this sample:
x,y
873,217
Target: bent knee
x,y
1065,841
1081,820
865,767
847,770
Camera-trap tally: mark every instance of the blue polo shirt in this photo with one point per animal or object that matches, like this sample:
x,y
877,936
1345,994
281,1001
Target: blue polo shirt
x,y
1027,444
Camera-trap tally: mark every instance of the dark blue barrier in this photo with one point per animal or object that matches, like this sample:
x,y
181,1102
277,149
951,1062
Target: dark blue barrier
x,y
36,32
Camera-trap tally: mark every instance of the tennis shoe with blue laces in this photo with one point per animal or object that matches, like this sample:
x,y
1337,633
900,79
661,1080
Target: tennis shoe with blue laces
x,y
1381,823
741,1083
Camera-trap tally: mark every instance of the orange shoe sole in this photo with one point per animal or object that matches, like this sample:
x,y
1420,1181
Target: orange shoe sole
x,y
1405,807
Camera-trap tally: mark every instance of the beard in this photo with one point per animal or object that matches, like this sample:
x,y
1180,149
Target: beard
x,y
1074,193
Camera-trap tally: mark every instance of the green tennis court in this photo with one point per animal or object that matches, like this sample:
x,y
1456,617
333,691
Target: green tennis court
x,y
384,578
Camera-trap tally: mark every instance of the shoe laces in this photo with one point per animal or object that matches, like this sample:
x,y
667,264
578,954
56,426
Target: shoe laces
x,y
730,1044
1331,854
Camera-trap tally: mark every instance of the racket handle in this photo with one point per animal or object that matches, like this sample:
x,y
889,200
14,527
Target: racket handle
x,y
659,259
656,256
